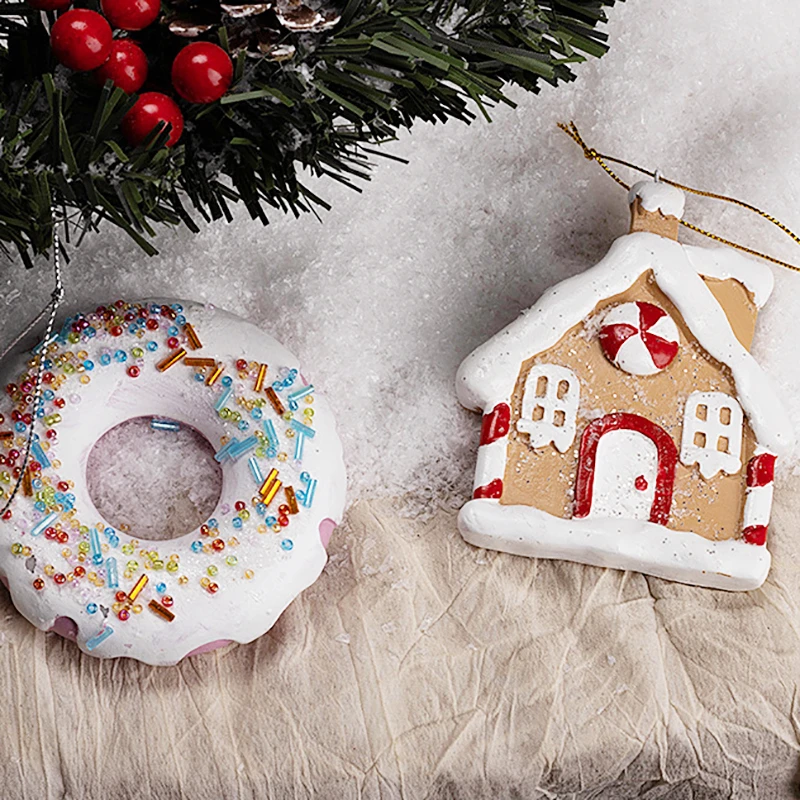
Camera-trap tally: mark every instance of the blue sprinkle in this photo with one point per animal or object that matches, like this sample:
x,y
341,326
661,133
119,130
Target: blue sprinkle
x,y
225,451
292,373
37,484
272,452
120,356
88,365
255,470
91,332
304,430
49,394
161,588
223,398
226,381
256,413
271,521
112,578
46,522
94,542
177,308
197,546
237,522
152,346
105,359
305,477
39,454
40,413
272,436
172,331
287,544
277,386
180,319
92,608
212,523
19,427
261,509
100,638
243,425
39,505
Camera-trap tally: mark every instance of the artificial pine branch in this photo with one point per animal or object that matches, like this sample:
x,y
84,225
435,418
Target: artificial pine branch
x,y
387,64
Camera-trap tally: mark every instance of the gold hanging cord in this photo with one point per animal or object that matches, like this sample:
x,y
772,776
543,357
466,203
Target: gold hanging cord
x,y
593,155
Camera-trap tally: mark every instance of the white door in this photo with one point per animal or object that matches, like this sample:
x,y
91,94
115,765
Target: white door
x,y
626,465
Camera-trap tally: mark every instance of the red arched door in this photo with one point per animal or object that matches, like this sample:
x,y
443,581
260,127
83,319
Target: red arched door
x,y
656,483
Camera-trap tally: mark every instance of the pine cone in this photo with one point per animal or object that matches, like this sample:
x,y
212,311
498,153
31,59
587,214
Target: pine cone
x,y
260,29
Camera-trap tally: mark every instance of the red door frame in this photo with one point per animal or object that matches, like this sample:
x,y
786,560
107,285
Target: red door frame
x,y
667,459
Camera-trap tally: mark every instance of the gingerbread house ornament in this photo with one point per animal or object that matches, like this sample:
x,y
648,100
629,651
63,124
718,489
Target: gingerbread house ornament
x,y
625,422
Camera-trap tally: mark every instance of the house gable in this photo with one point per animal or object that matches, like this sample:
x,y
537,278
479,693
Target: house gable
x,y
545,478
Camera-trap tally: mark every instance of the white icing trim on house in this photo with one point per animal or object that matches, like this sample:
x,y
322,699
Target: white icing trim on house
x,y
724,263
491,370
758,505
491,462
658,197
732,564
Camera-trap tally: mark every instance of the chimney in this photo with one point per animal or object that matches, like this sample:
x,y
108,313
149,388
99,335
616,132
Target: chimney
x,y
655,208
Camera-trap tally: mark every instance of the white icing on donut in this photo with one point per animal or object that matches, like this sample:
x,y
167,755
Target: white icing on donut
x,y
282,563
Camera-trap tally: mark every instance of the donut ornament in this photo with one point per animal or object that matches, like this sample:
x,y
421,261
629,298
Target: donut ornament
x,y
639,338
283,481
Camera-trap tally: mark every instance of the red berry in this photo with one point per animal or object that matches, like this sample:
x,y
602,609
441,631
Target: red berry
x,y
7,515
202,72
81,39
123,614
152,109
63,486
59,578
131,15
126,67
120,596
48,5
240,505
151,324
133,372
116,331
38,584
241,365
79,571
172,342
218,544
166,600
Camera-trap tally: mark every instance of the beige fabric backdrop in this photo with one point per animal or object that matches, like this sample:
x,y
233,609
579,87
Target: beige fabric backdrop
x,y
420,667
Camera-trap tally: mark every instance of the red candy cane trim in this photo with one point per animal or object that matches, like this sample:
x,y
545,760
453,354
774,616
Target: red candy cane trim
x,y
758,502
491,464
496,423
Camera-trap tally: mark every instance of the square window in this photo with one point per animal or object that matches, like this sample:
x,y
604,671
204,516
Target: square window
x,y
699,439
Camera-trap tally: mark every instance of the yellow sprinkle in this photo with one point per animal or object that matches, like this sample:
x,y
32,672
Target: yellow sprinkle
x,y
170,360
140,584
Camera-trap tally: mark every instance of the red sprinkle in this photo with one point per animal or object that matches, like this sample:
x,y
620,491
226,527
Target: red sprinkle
x,y
133,371
59,578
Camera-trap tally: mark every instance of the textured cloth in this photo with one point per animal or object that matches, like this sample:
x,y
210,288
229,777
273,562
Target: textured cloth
x,y
420,667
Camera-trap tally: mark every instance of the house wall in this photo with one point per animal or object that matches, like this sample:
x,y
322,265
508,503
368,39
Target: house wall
x,y
545,478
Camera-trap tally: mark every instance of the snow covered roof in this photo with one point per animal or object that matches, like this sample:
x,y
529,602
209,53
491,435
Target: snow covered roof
x,y
488,374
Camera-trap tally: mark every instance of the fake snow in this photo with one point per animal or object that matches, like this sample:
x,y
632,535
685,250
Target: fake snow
x,y
384,298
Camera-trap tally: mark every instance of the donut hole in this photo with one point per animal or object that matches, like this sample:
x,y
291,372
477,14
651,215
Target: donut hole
x,y
153,484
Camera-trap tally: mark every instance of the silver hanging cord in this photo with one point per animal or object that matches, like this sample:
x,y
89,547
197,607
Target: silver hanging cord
x,y
50,311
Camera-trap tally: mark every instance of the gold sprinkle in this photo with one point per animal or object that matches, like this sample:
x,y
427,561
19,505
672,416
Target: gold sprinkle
x,y
140,584
162,612
214,376
275,401
191,335
272,492
262,373
199,362
291,500
268,482
170,360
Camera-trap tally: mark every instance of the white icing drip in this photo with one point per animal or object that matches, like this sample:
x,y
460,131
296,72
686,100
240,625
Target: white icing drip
x,y
490,371
662,197
243,609
758,505
617,543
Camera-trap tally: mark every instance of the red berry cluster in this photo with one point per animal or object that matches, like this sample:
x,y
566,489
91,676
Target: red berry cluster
x,y
83,40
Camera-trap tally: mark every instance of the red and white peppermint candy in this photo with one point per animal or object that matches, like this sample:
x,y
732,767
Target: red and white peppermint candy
x,y
639,337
